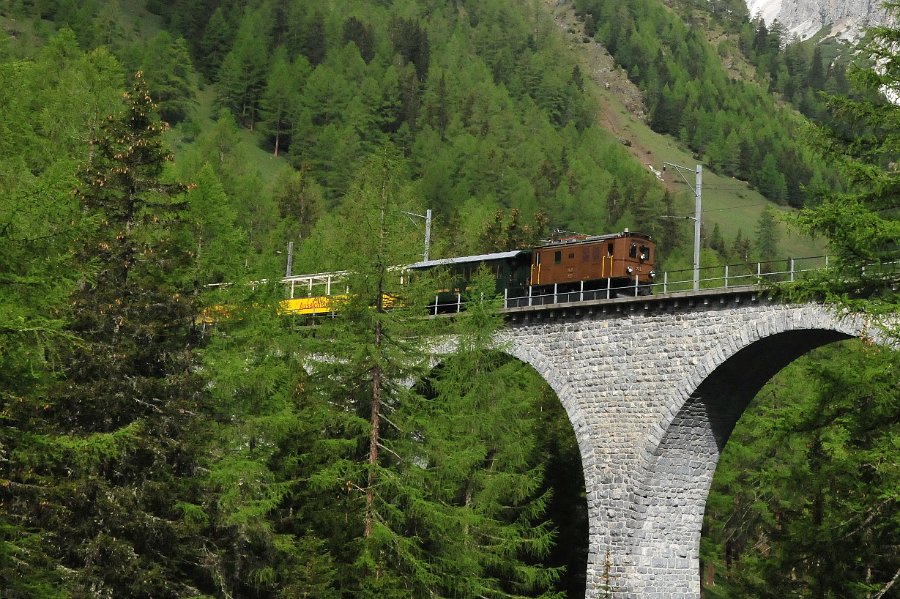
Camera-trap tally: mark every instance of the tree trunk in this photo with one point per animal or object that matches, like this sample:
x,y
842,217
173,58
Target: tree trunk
x,y
373,437
377,385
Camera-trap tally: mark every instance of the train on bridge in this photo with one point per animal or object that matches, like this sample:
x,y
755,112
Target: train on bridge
x,y
573,268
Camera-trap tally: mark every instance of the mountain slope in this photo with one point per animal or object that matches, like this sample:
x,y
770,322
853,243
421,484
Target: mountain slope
x,y
729,203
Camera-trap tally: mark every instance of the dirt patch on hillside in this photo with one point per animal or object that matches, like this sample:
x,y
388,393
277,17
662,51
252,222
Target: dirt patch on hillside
x,y
621,102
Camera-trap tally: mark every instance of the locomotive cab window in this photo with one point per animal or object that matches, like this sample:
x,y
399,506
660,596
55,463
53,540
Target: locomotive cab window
x,y
609,249
557,257
632,253
645,253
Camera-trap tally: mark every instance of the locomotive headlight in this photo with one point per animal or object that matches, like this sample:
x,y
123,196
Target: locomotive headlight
x,y
652,274
629,270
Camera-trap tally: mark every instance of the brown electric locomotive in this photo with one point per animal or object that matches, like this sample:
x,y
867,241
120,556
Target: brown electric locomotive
x,y
620,262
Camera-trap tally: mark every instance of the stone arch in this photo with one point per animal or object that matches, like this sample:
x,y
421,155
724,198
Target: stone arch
x,y
680,459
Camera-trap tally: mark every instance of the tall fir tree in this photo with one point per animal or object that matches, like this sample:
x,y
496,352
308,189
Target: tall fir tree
x,y
128,395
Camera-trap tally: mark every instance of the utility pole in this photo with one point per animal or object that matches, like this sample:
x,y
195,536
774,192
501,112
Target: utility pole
x,y
697,187
427,217
290,258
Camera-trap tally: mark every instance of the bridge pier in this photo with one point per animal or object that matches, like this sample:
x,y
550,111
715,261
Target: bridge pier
x,y
653,388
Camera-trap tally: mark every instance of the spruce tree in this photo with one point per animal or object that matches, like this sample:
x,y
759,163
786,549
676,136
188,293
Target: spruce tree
x,y
128,395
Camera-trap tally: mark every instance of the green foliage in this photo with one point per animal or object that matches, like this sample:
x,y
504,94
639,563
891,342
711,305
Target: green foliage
x,y
166,65
805,499
766,243
50,103
509,234
485,102
861,223
216,231
809,476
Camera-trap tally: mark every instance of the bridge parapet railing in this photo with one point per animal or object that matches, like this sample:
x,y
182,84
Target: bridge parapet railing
x,y
527,297
712,277
740,274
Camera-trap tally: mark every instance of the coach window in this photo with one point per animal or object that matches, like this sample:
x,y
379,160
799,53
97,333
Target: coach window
x,y
609,250
632,253
557,257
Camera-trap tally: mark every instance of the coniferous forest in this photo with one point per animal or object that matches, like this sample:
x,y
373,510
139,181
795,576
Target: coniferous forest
x,y
165,431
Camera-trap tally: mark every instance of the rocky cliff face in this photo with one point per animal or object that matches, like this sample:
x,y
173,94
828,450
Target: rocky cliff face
x,y
845,19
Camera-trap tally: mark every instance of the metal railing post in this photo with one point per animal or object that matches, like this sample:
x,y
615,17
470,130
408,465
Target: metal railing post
x,y
581,292
555,299
635,285
665,281
608,286
506,297
458,302
792,270
726,276
529,295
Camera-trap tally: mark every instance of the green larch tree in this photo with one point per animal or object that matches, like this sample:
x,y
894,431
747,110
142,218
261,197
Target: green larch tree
x,y
281,98
261,427
478,465
356,386
861,223
401,510
40,223
766,242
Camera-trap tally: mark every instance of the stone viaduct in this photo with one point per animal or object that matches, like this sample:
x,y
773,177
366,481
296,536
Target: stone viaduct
x,y
653,387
